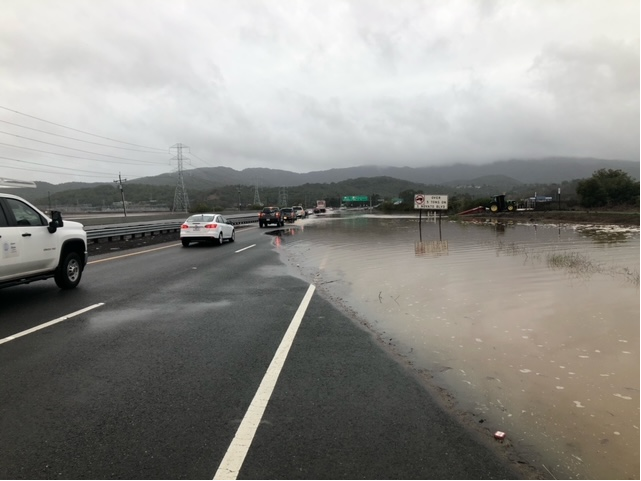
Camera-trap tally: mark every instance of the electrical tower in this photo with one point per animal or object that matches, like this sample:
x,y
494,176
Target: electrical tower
x,y
282,197
181,200
256,196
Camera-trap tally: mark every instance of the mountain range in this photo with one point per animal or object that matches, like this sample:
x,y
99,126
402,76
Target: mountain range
x,y
502,175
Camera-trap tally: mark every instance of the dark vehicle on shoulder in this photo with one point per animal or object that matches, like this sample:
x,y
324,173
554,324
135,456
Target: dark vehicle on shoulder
x,y
288,214
270,215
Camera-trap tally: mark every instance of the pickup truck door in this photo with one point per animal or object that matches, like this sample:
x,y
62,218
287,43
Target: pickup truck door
x,y
27,245
9,248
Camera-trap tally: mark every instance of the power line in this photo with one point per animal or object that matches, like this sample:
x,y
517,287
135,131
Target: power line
x,y
49,172
71,148
79,140
82,131
69,155
203,161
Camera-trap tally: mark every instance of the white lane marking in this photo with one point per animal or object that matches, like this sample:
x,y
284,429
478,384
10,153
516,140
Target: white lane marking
x,y
131,254
233,460
245,248
50,323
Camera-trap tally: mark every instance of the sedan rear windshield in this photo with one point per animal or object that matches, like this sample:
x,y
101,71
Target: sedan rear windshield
x,y
201,218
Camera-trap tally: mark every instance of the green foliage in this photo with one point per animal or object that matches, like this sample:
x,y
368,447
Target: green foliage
x,y
200,208
608,188
604,188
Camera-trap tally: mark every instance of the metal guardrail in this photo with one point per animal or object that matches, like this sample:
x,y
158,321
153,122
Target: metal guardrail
x,y
123,231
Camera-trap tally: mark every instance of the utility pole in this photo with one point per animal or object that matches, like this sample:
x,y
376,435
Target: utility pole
x,y
181,200
238,189
122,193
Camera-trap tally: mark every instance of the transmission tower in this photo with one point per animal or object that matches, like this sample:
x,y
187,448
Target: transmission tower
x,y
181,200
282,197
256,196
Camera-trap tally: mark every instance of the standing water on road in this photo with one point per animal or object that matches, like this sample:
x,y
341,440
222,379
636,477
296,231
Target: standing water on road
x,y
533,329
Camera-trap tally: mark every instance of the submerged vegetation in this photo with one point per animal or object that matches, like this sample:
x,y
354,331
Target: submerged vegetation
x,y
573,263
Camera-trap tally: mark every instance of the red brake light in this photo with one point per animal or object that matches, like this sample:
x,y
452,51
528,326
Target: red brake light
x,y
211,226
184,226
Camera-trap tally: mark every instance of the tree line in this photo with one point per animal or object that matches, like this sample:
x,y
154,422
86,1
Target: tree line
x,y
607,188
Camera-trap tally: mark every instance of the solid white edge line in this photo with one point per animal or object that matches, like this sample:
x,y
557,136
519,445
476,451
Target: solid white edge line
x,y
245,248
235,456
50,323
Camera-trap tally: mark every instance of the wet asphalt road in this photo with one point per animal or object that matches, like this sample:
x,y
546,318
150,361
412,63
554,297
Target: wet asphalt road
x,y
154,380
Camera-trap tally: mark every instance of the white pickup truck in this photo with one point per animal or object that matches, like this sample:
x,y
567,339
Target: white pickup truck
x,y
35,247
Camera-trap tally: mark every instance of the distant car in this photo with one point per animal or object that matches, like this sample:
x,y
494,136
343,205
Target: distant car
x,y
206,228
270,215
309,212
288,214
300,212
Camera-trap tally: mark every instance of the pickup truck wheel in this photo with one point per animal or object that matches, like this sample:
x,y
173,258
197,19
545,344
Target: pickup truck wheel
x,y
68,273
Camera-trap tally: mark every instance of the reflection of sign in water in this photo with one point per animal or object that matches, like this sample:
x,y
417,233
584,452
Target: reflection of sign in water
x,y
430,202
431,247
355,198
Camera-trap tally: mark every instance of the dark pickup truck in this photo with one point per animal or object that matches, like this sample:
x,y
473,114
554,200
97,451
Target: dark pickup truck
x,y
270,215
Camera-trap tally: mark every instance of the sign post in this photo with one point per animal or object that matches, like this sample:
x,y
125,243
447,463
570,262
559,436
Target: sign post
x,y
430,202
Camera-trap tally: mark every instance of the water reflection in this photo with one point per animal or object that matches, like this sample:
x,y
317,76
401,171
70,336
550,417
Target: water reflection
x,y
430,248
533,328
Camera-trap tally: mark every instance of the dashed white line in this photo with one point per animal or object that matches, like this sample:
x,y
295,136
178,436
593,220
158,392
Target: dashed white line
x,y
50,323
233,460
245,248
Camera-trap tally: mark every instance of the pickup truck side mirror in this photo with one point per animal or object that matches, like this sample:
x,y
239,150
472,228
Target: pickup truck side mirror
x,y
56,221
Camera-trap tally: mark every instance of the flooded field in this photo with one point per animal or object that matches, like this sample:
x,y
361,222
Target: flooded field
x,y
532,329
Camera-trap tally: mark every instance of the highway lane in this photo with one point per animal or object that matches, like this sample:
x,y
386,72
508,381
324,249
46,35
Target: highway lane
x,y
154,381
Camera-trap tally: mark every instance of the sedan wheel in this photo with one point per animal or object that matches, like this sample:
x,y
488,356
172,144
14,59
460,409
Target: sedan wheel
x,y
220,239
185,242
233,235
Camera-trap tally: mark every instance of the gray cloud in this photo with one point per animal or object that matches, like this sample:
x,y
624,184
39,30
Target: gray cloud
x,y
311,85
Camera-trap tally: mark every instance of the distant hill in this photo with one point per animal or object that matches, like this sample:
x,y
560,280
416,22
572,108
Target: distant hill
x,y
535,171
500,176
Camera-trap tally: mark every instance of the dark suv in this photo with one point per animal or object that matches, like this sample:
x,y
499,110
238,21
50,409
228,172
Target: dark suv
x,y
270,215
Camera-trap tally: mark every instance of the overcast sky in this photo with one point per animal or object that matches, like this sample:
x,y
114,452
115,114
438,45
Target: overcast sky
x,y
310,85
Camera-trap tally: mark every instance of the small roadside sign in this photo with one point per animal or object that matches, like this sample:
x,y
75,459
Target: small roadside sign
x,y
430,202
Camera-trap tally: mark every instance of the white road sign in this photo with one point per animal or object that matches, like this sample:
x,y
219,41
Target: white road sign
x,y
430,202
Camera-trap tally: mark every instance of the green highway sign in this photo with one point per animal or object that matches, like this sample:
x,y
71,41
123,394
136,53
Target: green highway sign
x,y
355,198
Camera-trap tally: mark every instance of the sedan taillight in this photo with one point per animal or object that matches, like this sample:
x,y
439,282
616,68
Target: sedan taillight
x,y
184,226
211,226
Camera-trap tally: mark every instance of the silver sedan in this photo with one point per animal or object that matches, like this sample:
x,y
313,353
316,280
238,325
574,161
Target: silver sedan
x,y
206,228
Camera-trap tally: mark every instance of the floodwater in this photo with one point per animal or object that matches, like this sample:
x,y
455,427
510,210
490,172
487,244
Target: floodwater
x,y
532,329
